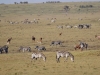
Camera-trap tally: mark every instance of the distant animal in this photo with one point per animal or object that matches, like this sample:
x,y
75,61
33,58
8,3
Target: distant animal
x,y
60,34
33,38
8,40
4,49
81,46
80,26
38,55
25,49
75,26
65,54
56,43
52,21
98,37
58,26
40,48
40,41
69,26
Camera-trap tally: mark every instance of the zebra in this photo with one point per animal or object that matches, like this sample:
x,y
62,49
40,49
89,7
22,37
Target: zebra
x,y
58,26
40,48
65,54
56,43
25,49
4,49
38,55
69,26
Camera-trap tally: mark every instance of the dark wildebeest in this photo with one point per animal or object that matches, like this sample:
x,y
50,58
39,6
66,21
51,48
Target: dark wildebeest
x,y
4,49
33,38
25,49
56,43
40,48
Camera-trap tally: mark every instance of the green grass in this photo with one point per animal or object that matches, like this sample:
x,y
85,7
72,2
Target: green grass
x,y
15,63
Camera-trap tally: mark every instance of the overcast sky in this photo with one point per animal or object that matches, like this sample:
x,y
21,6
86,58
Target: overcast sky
x,y
39,1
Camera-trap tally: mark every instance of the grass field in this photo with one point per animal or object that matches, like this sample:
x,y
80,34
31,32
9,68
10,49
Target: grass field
x,y
15,63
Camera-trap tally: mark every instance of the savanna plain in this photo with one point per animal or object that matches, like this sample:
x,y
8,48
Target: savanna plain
x,y
86,62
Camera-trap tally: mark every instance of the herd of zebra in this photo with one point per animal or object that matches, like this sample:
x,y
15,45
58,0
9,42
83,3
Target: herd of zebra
x,y
27,21
39,54
80,26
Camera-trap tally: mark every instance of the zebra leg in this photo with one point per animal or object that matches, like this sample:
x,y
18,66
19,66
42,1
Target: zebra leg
x,y
66,58
58,61
23,50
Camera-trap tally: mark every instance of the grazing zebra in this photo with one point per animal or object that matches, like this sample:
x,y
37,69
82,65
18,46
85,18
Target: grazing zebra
x,y
25,49
8,40
4,49
65,54
69,26
98,37
38,55
60,27
56,43
40,48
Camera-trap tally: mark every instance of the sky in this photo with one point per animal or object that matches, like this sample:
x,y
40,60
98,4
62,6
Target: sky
x,y
40,1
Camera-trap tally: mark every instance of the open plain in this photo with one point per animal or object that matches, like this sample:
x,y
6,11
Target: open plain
x,y
17,21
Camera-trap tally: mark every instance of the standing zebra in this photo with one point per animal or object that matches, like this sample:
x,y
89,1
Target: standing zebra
x,y
38,55
56,43
65,54
25,49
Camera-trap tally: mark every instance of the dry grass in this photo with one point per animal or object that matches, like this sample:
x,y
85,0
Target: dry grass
x,y
15,63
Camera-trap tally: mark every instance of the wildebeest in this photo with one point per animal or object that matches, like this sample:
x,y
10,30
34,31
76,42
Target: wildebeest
x,y
40,48
65,54
56,43
4,49
25,49
38,55
81,46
